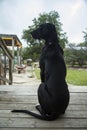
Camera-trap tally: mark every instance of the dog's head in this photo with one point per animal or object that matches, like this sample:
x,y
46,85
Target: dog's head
x,y
45,31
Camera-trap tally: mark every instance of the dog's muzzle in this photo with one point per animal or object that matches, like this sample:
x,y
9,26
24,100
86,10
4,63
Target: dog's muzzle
x,y
36,34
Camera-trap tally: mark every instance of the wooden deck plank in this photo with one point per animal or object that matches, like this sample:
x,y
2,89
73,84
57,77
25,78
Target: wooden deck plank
x,y
75,98
69,114
36,129
33,88
25,97
10,106
35,123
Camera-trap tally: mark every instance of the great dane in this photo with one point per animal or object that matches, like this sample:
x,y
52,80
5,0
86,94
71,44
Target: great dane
x,y
53,93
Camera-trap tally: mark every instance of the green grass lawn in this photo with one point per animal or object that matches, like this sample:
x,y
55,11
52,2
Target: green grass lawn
x,y
74,76
37,73
77,76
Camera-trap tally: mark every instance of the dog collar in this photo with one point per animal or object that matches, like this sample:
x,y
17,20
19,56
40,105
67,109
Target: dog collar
x,y
50,43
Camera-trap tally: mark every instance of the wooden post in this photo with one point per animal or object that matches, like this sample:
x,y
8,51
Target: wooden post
x,y
18,56
10,72
5,63
13,53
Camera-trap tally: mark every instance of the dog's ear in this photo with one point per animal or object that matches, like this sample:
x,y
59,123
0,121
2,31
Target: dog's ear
x,y
51,27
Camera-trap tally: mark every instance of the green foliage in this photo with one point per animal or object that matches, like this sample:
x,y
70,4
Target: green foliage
x,y
85,38
34,49
52,17
32,52
75,55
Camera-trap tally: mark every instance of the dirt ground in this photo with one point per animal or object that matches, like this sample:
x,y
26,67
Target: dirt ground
x,y
26,77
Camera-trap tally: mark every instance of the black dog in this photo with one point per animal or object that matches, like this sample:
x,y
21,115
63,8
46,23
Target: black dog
x,y
53,94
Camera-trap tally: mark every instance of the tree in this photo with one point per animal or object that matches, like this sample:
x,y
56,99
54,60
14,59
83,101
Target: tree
x,y
84,44
81,57
70,55
85,37
32,52
52,17
75,55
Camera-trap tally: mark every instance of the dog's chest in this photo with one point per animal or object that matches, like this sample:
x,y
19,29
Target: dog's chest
x,y
48,52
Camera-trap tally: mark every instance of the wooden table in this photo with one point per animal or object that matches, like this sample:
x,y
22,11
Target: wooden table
x,y
25,97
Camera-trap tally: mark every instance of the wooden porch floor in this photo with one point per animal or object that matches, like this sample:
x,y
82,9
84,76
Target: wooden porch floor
x,y
25,97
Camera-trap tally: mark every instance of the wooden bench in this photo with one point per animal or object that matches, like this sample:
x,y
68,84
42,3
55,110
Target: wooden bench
x,y
25,97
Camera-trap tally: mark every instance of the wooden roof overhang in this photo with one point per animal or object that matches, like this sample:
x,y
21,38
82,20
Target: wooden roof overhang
x,y
8,40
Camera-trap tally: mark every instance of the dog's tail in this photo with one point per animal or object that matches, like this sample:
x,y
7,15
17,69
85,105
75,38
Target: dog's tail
x,y
42,117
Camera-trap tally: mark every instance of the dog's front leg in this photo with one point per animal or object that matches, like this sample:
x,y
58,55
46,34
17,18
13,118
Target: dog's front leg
x,y
42,70
42,76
